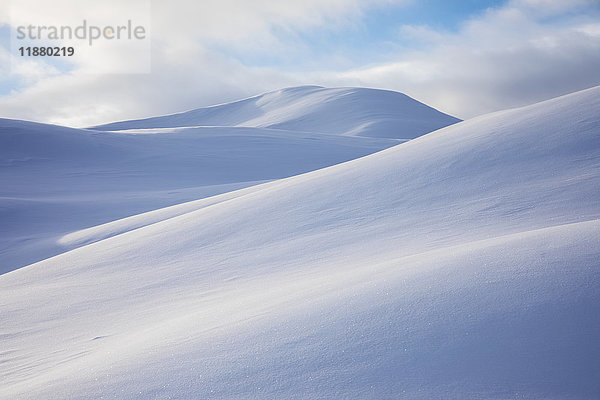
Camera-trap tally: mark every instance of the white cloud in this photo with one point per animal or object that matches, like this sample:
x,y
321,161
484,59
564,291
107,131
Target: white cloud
x,y
513,55
200,78
186,70
506,57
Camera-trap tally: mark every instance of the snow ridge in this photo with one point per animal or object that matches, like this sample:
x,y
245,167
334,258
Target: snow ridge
x,y
461,264
338,111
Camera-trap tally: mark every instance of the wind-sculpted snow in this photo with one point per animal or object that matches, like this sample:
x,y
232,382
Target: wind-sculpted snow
x,y
57,180
464,264
339,111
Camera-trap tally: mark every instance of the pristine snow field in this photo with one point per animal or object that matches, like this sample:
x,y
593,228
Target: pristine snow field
x,y
56,180
339,111
464,264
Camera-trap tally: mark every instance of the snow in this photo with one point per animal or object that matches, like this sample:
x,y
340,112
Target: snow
x,y
57,180
461,264
337,111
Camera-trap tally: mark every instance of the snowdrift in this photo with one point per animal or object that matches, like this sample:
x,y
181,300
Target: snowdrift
x,y
57,180
338,111
462,264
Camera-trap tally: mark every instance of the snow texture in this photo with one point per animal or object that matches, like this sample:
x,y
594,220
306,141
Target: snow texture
x,y
57,180
464,264
337,111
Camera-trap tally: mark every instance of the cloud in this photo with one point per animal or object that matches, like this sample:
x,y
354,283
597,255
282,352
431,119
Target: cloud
x,y
550,7
507,57
200,78
522,52
188,67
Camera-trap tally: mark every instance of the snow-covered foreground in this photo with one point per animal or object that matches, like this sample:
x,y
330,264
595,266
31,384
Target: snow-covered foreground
x,y
464,264
56,180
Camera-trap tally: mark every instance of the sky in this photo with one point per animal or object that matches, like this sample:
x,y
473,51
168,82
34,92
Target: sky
x,y
465,58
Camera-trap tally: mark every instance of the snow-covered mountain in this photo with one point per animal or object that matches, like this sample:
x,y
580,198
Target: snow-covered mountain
x,y
464,264
338,111
57,180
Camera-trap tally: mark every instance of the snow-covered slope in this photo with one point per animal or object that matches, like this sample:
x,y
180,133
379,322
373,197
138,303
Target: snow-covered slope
x,y
339,111
55,180
464,264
